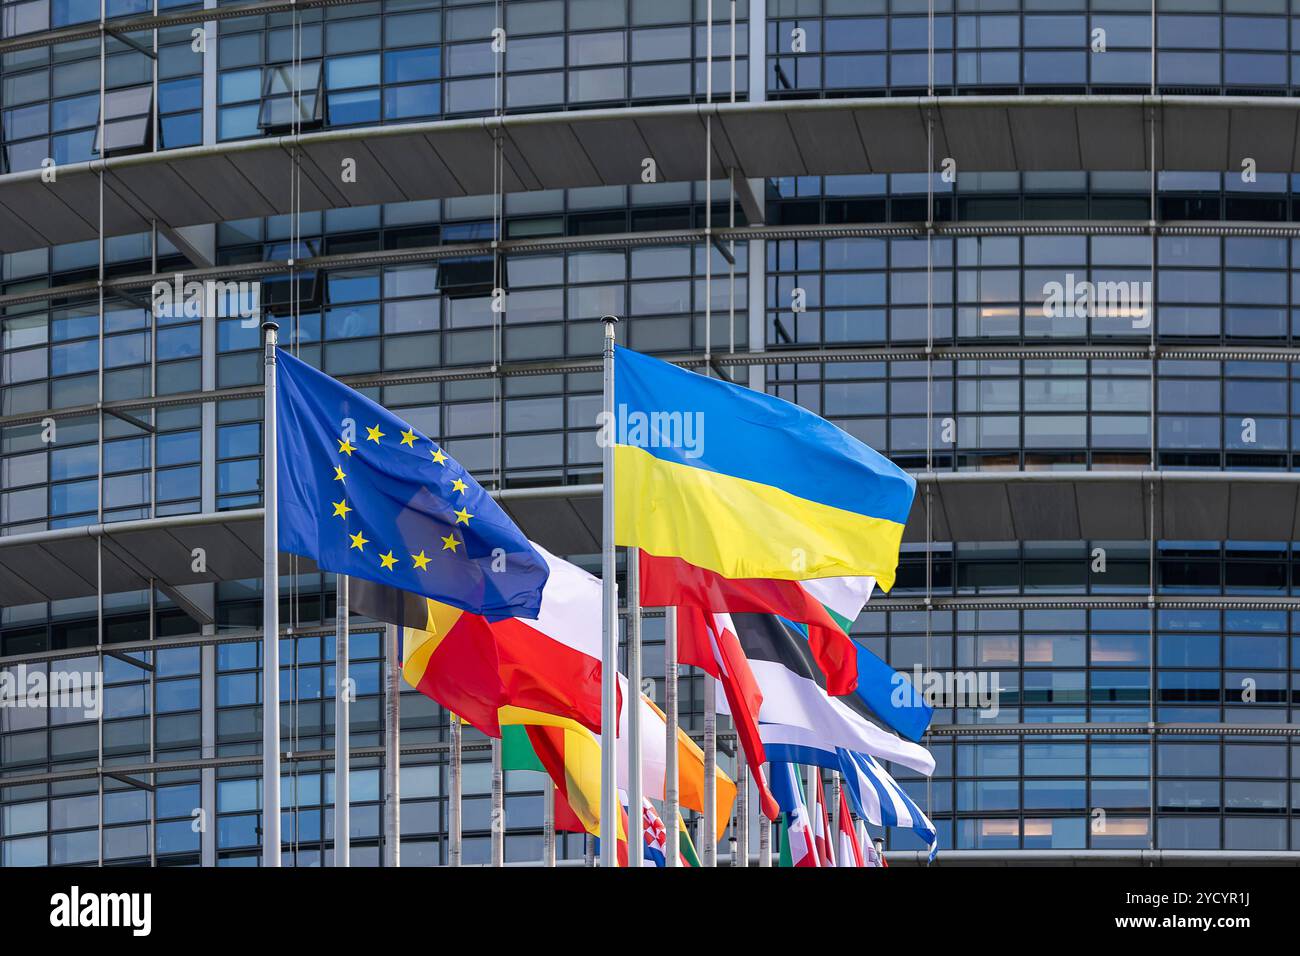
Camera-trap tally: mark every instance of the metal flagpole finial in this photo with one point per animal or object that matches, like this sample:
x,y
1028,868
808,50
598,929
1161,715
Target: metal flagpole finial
x,y
609,803
270,615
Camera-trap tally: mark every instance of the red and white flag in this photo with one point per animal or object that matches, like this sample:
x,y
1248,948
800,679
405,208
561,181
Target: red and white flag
x,y
850,849
656,836
709,642
821,828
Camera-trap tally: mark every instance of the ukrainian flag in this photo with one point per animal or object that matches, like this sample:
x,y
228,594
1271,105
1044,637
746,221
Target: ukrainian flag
x,y
746,484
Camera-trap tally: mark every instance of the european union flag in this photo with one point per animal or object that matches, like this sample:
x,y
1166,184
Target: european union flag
x,y
366,495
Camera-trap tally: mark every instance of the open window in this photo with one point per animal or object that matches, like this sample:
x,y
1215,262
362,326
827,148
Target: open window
x,y
468,278
279,110
128,121
277,291
277,294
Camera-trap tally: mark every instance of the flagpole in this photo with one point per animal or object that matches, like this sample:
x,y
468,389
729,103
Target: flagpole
x,y
453,796
764,840
392,748
498,806
672,849
710,848
270,616
548,822
342,728
835,805
609,629
635,785
742,809
811,775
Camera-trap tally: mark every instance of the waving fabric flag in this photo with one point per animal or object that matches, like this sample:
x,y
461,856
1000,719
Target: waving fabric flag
x,y
890,696
850,851
875,795
690,758
803,713
656,836
365,494
518,753
690,763
708,641
571,756
575,746
685,846
881,801
881,693
825,609
671,582
797,847
746,484
822,840
474,667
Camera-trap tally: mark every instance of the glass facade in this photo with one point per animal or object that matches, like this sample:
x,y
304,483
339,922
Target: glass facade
x,y
848,47
913,309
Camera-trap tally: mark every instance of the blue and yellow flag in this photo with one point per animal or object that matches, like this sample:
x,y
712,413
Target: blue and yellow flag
x,y
747,484
367,495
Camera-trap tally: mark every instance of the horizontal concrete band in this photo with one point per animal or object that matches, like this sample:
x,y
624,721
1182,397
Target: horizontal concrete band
x,y
965,506
560,150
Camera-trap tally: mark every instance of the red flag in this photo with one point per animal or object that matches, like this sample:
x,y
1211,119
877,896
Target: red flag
x,y
666,582
717,652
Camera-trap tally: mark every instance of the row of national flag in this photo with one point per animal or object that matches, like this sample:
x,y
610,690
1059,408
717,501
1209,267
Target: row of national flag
x,y
806,838
768,528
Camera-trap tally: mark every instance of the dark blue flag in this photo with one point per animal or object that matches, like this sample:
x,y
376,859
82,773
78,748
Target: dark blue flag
x,y
365,494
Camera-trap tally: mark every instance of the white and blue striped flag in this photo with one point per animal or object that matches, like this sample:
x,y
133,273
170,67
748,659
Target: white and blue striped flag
x,y
879,798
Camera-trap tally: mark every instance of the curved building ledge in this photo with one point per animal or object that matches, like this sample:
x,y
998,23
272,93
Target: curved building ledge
x,y
559,150
967,506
